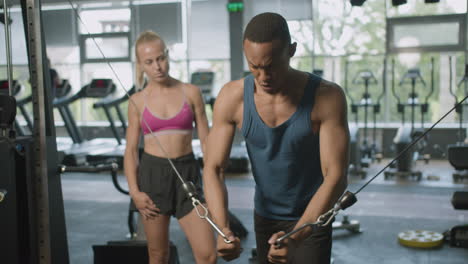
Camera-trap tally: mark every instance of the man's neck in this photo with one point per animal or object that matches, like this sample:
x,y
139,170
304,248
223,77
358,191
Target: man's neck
x,y
292,86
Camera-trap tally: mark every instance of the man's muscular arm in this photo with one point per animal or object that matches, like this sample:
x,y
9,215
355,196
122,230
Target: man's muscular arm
x,y
331,111
218,148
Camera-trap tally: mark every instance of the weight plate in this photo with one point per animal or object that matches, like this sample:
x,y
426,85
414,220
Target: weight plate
x,y
420,238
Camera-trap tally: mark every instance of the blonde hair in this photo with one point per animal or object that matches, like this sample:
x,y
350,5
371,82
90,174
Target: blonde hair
x,y
146,36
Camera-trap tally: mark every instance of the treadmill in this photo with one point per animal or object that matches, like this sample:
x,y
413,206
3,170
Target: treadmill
x,y
108,104
62,90
20,103
205,81
238,159
77,154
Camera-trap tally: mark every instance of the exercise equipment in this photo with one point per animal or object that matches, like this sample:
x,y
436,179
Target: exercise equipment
x,y
5,87
458,235
458,152
63,89
32,221
205,81
20,103
420,239
345,201
403,167
352,226
369,152
109,104
81,152
98,88
355,167
363,153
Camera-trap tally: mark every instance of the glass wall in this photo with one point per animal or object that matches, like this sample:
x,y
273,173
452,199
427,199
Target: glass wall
x,y
19,58
209,40
332,36
420,8
413,50
357,37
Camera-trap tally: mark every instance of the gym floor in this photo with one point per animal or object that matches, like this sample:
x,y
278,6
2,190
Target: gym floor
x,y
97,213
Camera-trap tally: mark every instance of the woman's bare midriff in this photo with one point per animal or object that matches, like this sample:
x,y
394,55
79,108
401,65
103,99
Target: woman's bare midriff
x,y
176,145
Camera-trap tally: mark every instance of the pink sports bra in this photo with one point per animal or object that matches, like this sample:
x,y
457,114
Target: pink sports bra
x,y
182,122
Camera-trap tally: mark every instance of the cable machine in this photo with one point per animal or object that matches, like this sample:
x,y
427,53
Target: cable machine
x,y
406,134
363,153
458,152
32,222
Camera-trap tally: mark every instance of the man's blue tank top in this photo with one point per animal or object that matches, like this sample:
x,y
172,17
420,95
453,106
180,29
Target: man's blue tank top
x,y
285,159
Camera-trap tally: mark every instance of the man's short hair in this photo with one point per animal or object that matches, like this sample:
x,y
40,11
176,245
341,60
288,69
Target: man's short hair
x,y
266,27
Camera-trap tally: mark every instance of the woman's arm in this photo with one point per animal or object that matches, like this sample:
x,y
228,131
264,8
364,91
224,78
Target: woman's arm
x,y
142,201
131,148
200,115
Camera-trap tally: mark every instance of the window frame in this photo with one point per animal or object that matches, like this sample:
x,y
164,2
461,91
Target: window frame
x,y
460,19
84,37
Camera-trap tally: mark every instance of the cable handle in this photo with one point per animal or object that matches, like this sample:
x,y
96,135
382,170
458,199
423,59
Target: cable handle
x,y
191,192
345,201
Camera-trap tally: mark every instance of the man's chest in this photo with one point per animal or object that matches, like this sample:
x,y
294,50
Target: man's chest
x,y
274,114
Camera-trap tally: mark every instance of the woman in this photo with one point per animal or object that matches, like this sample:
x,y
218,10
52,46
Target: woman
x,y
165,112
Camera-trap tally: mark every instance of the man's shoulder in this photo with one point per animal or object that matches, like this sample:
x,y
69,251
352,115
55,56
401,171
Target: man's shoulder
x,y
229,101
233,90
330,101
329,90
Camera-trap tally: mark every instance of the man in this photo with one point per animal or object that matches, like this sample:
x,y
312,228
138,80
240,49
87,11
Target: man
x,y
296,131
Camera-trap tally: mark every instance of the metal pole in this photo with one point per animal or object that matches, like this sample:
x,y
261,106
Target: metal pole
x,y
413,104
8,48
187,5
314,34
41,190
386,111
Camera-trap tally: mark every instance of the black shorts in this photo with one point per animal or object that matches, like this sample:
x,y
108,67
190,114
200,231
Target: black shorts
x,y
157,178
316,249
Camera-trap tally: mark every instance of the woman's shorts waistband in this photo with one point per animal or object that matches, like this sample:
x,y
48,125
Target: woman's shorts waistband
x,y
163,161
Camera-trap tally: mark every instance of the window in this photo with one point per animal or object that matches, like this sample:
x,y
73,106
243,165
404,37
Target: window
x,y
114,46
416,34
